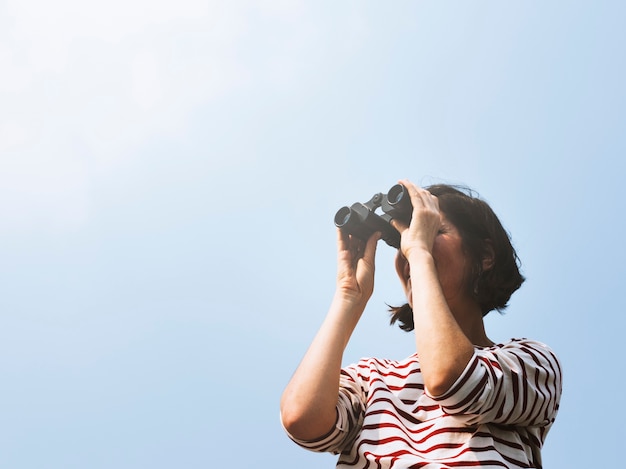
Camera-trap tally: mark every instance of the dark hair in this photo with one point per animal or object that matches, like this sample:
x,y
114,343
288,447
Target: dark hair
x,y
482,233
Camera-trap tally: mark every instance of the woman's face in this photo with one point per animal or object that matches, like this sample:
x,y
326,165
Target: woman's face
x,y
451,262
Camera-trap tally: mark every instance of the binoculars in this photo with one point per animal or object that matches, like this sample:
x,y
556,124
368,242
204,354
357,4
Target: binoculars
x,y
361,219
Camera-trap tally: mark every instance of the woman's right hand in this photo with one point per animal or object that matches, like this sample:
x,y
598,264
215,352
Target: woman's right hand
x,y
355,267
309,400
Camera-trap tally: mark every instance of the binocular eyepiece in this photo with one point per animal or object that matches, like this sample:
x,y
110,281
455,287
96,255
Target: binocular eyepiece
x,y
361,219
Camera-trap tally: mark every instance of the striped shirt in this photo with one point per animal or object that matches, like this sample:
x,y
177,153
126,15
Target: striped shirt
x,y
496,415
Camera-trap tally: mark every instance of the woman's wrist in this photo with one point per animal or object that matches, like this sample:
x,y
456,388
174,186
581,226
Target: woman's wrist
x,y
419,255
349,301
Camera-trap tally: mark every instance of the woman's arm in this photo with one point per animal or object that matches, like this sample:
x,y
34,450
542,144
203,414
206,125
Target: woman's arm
x,y
444,348
518,383
308,404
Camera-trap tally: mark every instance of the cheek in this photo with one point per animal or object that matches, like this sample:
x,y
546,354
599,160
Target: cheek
x,y
400,263
440,252
449,258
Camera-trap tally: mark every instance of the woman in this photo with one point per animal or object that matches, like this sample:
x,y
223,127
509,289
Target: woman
x,y
461,400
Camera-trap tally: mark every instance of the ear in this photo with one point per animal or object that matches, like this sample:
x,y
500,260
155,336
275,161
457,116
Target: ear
x,y
489,256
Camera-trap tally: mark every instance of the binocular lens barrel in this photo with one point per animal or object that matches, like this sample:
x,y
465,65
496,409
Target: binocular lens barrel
x,y
396,195
399,203
342,217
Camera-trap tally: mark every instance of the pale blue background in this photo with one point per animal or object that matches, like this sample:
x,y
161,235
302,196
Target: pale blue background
x,y
169,171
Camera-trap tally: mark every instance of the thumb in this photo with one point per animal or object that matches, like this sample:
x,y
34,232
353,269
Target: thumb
x,y
370,246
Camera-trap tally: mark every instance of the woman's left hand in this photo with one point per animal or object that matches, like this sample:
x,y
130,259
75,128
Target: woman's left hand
x,y
419,236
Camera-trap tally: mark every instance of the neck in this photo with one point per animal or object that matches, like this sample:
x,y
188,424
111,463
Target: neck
x,y
470,320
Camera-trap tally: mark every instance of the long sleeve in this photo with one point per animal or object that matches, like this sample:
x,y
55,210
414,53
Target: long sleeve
x,y
497,414
516,384
350,411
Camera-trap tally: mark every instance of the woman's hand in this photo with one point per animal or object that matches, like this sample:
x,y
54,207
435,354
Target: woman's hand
x,y
308,402
444,348
420,235
355,267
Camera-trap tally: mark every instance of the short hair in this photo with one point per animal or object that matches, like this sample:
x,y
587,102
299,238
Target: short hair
x,y
481,232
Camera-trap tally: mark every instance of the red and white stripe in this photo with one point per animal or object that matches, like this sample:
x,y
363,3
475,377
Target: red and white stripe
x,y
496,415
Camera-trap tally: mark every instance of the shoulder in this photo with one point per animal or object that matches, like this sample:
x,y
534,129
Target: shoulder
x,y
522,350
523,345
523,342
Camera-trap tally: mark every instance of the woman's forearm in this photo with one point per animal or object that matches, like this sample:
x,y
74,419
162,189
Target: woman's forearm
x,y
444,349
309,401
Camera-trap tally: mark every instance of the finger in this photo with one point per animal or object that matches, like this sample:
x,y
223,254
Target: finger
x,y
350,245
343,239
347,246
398,225
420,197
415,193
370,246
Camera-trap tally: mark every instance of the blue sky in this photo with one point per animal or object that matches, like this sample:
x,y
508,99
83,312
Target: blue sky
x,y
169,172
